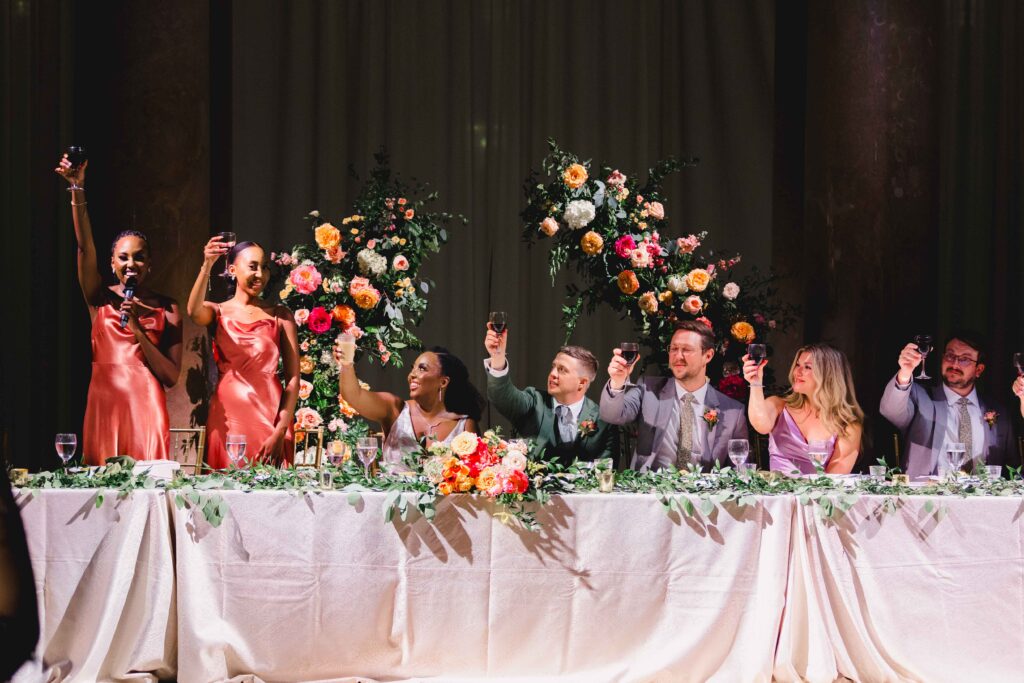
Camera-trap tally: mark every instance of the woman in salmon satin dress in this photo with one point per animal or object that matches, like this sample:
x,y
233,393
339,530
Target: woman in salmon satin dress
x,y
126,412
250,336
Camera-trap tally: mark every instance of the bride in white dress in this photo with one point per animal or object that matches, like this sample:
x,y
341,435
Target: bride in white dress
x,y
442,403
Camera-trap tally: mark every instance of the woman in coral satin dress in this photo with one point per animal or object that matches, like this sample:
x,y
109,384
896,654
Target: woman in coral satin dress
x,y
126,412
250,337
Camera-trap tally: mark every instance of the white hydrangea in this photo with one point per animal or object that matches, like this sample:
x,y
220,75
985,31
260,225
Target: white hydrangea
x,y
371,263
579,213
731,291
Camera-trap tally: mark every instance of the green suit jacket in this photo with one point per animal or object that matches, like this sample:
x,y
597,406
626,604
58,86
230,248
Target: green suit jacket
x,y
532,415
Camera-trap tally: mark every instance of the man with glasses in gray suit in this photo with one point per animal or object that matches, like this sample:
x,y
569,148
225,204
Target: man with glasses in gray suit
x,y
932,418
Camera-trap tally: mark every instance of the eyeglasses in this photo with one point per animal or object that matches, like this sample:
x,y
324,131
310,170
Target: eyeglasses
x,y
959,361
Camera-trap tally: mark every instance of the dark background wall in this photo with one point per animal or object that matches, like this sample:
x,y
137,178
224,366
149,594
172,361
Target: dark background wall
x,y
868,150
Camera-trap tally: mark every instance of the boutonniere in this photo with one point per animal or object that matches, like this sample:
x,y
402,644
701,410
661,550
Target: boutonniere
x,y
991,417
587,427
711,417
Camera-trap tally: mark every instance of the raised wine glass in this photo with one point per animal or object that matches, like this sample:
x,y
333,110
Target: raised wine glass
x,y
234,444
630,351
76,157
739,451
1018,363
498,320
228,240
66,445
757,352
924,347
367,448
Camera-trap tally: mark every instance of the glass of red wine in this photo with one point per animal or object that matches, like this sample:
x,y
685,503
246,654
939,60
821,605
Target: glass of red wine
x,y
757,352
1018,363
924,347
228,240
630,351
498,320
76,157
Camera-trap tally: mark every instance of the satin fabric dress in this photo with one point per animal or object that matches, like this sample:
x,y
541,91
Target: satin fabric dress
x,y
126,411
402,437
788,447
248,395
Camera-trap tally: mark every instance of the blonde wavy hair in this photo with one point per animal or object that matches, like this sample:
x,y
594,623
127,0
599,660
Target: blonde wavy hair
x,y
834,395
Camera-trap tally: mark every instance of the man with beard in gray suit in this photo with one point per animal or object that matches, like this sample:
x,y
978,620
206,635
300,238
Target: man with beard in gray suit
x,y
681,419
931,418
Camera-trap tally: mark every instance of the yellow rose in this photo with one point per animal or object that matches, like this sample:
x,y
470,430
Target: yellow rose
x,y
306,365
444,488
575,176
665,297
591,243
367,297
697,279
486,479
743,332
327,236
463,483
464,443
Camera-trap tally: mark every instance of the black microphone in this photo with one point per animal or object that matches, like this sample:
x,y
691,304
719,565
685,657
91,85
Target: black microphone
x,y
129,291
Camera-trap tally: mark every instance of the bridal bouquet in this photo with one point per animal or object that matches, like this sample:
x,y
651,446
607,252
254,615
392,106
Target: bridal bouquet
x,y
358,275
613,231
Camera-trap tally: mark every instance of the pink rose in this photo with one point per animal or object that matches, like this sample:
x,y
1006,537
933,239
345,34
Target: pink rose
x,y
307,418
688,244
624,246
400,263
656,211
305,279
616,179
301,316
549,226
319,320
304,346
356,284
371,244
640,258
693,304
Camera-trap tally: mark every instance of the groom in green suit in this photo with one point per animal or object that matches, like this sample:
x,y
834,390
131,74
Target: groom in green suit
x,y
562,420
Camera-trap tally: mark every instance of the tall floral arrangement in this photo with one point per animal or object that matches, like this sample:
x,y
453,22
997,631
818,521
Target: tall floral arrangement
x,y
360,276
614,232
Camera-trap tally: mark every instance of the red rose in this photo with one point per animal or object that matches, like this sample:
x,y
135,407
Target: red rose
x,y
319,320
735,387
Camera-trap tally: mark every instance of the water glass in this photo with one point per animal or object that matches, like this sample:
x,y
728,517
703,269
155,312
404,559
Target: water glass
x,y
817,451
954,458
66,445
606,480
336,453
326,479
234,444
877,473
994,471
739,451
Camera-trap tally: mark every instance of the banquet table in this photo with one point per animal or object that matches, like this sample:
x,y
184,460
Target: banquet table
x,y
309,587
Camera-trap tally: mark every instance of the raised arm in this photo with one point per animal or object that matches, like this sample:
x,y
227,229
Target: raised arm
x,y
897,404
377,406
88,271
762,412
201,311
620,404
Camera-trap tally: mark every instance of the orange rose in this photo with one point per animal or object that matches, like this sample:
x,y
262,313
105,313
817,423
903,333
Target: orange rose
x,y
486,480
346,408
591,243
628,284
345,315
327,236
575,176
743,332
409,213
366,298
697,279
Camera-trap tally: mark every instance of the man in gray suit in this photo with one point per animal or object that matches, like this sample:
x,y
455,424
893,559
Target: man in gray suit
x,y
953,412
680,419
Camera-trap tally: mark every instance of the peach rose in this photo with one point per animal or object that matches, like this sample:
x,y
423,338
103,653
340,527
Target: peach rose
x,y
464,444
334,254
327,236
591,243
628,284
549,226
345,315
648,302
356,284
488,480
731,291
409,214
575,176
640,257
367,298
305,389
400,263
697,279
743,332
301,316
656,210
307,418
693,304
687,244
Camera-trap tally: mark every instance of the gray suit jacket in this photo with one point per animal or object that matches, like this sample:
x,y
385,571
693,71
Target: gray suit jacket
x,y
922,414
653,405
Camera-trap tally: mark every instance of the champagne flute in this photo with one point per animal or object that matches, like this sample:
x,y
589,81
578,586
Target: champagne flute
x,y
817,451
757,352
924,347
66,445
235,446
1018,363
498,320
228,240
367,448
739,451
630,352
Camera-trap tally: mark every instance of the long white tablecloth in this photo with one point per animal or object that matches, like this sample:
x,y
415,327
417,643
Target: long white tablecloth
x,y
304,588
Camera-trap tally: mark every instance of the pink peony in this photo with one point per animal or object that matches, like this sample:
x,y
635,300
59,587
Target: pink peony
x,y
624,246
305,279
356,284
319,320
688,244
656,211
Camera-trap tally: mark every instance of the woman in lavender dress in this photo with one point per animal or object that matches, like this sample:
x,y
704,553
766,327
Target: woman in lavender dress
x,y
819,420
